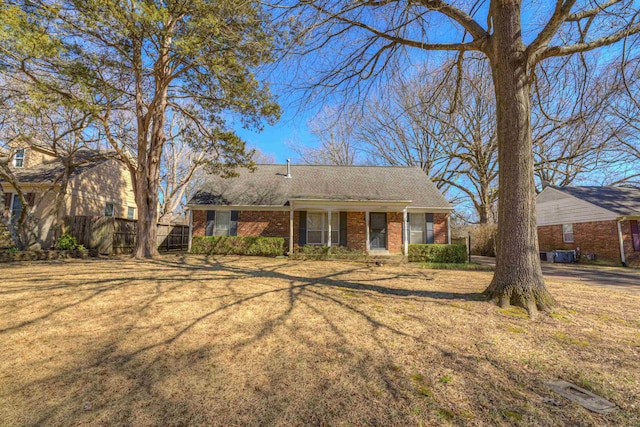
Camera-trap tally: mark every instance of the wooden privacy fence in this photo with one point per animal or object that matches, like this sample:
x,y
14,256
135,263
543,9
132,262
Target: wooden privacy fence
x,y
111,235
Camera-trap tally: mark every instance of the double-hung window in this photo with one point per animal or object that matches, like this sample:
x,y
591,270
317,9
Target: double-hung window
x,y
18,158
222,223
635,235
318,228
16,207
421,228
108,209
567,233
131,213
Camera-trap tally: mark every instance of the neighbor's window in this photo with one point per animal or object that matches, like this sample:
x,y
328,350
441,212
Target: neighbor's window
x,y
567,233
16,207
318,228
108,209
18,158
131,213
635,235
222,224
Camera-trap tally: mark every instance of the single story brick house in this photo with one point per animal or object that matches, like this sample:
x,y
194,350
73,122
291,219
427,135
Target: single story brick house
x,y
371,208
596,222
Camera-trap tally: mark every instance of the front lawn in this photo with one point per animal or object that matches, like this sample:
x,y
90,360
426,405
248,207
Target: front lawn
x,y
186,340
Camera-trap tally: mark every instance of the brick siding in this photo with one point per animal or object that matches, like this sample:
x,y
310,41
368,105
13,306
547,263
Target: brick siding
x,y
356,231
276,224
394,232
440,228
598,237
199,222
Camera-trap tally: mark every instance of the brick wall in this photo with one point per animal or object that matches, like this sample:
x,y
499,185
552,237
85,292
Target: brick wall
x,y
632,256
276,224
263,223
440,228
356,231
598,237
394,232
199,222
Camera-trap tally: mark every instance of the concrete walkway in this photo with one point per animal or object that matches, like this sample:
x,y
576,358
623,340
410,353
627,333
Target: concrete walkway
x,y
626,279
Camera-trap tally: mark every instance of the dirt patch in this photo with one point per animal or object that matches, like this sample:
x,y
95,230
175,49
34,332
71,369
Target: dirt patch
x,y
252,341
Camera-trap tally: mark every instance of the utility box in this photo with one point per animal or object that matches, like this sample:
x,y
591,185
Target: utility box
x,y
564,256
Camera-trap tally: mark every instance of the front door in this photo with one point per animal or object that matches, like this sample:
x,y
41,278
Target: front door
x,y
378,230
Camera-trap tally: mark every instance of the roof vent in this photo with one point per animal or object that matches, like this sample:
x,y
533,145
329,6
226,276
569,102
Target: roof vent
x,y
288,168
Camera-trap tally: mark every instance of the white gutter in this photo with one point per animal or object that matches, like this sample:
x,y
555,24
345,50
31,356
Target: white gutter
x,y
621,241
449,229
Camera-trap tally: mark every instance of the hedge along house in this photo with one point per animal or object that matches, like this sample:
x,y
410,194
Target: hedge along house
x,y
370,208
597,222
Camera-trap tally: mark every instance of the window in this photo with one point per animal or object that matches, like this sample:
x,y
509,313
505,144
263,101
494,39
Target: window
x,y
131,213
108,209
421,228
567,233
222,223
318,228
635,235
416,228
16,207
18,158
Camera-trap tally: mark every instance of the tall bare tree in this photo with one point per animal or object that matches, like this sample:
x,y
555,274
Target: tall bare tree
x,y
370,34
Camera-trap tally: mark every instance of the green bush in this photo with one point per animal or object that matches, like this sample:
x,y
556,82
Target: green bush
x,y
438,253
316,252
236,245
66,242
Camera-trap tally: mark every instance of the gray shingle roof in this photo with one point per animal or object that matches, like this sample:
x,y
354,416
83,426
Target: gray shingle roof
x,y
620,200
268,186
50,171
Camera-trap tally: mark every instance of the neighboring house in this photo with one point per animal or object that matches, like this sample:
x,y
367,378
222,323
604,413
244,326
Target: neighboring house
x,y
98,186
600,222
377,209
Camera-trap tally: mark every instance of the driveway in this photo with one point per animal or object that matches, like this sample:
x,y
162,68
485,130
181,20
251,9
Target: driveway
x,y
627,279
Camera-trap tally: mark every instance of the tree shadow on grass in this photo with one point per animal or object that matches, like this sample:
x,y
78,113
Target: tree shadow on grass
x,y
146,366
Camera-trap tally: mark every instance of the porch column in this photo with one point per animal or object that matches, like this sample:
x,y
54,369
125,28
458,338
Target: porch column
x,y
405,227
291,230
366,221
329,228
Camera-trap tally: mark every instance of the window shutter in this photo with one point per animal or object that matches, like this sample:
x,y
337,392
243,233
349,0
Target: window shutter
x,y
343,229
211,221
31,199
430,238
7,200
233,224
302,235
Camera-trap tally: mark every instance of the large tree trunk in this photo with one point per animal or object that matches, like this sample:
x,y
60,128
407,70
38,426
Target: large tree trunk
x,y
147,202
518,278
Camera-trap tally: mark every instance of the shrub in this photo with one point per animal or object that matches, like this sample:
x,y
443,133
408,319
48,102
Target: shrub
x,y
316,252
66,242
236,245
438,253
483,239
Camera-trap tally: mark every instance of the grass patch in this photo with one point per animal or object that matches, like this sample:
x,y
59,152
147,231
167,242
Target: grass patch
x,y
446,379
445,414
231,340
566,339
517,312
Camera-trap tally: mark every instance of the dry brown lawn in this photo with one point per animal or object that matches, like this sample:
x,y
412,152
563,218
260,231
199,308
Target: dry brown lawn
x,y
189,340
